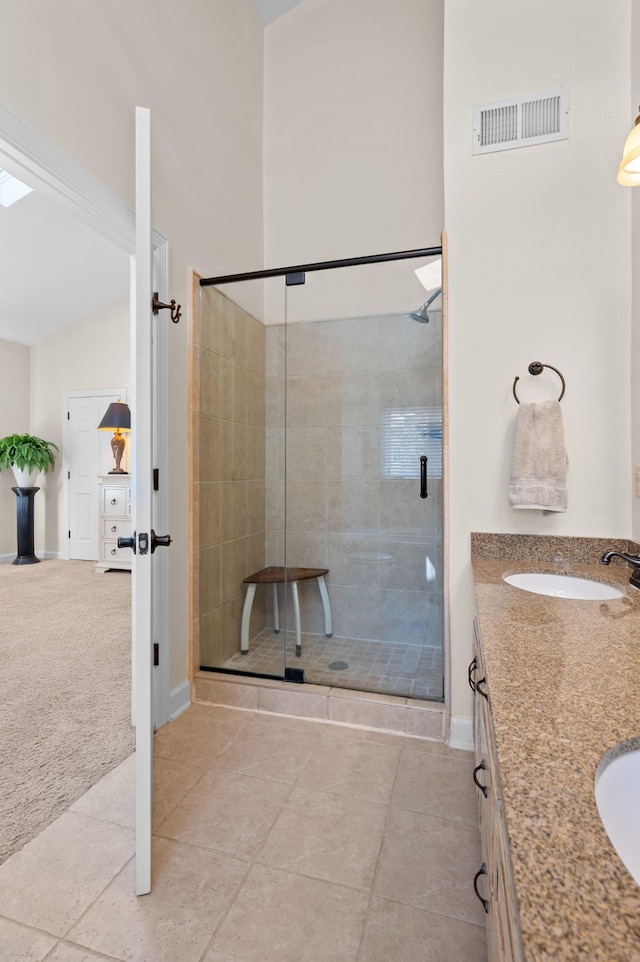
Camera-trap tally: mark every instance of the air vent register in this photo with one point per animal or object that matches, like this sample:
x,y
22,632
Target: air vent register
x,y
521,121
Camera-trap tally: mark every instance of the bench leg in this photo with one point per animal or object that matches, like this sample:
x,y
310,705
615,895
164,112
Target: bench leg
x,y
276,613
246,618
296,616
326,604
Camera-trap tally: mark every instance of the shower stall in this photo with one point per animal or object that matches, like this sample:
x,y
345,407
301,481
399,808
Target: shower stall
x,y
320,540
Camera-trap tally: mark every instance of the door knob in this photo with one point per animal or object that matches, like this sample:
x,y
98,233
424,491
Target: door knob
x,y
159,541
128,542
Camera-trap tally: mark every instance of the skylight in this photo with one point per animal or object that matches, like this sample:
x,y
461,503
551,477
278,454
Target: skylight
x,y
11,189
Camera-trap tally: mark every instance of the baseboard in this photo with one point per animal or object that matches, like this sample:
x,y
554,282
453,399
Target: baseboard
x,y
179,700
461,733
42,555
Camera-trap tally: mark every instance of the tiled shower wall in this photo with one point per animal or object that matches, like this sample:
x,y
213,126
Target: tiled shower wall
x,y
342,511
232,471
306,403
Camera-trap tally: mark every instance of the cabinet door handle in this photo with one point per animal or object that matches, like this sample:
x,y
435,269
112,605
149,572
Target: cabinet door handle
x,y
481,871
482,691
480,768
114,527
113,551
472,667
114,501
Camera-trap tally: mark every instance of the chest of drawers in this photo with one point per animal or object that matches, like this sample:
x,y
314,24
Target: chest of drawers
x,y
115,521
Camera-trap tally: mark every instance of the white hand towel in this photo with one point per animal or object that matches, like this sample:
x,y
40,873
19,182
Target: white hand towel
x,y
539,468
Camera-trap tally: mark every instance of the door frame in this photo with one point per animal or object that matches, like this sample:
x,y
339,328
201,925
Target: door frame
x,y
31,158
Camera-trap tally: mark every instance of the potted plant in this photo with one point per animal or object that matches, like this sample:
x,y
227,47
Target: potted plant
x,y
27,456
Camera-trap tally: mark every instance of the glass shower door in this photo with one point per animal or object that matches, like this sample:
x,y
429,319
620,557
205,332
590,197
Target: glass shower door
x,y
363,479
321,491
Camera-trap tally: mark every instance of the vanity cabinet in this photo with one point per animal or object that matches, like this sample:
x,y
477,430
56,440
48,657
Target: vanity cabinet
x,y
493,882
115,521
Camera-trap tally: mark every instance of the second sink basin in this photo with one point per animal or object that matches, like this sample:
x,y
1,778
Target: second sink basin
x,y
563,586
617,790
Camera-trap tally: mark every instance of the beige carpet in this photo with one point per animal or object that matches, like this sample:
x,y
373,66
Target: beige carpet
x,y
65,715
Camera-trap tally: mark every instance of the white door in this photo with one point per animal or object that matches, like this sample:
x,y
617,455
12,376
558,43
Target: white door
x,y
86,454
142,474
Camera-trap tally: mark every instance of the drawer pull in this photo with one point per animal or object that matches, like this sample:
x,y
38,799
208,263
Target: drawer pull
x,y
482,691
114,501
114,527
481,871
480,768
113,551
472,667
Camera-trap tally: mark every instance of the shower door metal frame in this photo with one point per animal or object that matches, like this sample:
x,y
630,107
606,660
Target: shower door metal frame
x,y
296,275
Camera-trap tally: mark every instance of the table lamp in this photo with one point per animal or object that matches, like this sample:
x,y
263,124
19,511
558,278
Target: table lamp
x,y
116,418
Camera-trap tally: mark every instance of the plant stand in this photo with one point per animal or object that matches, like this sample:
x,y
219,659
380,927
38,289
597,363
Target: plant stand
x,y
25,526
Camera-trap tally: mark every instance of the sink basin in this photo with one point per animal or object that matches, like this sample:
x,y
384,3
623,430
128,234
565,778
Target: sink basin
x,y
617,791
563,586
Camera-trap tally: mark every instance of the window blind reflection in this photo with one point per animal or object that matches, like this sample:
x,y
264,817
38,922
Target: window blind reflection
x,y
406,433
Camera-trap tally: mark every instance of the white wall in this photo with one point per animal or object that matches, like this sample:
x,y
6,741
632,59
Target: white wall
x,y
91,354
75,72
14,419
353,129
539,270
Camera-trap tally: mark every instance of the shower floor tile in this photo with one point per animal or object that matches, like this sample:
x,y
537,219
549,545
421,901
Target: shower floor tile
x,y
391,669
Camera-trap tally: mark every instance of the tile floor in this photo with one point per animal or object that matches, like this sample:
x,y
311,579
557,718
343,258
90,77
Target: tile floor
x,y
276,838
377,666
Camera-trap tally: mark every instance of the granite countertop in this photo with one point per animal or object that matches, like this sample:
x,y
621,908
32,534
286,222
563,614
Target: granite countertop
x,y
564,686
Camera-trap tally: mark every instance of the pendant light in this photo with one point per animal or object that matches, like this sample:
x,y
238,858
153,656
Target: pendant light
x,y
629,169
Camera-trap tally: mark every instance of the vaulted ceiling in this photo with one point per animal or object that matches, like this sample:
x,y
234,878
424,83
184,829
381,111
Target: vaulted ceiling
x,y
54,270
272,9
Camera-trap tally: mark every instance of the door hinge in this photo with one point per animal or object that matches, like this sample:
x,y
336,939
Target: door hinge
x,y
156,654
68,475
156,479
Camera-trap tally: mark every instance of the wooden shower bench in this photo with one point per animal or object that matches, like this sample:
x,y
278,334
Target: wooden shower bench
x,y
278,575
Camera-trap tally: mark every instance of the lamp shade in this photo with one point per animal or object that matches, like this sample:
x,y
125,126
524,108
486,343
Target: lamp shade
x,y
629,169
117,417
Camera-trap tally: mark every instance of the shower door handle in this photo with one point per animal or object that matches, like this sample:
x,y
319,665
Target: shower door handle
x,y
423,476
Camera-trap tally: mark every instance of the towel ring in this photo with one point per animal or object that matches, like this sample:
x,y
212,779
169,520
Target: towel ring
x,y
536,368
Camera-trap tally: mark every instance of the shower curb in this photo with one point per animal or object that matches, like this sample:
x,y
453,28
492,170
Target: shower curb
x,y
386,713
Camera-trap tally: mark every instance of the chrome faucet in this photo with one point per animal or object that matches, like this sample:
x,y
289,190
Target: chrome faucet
x,y
632,559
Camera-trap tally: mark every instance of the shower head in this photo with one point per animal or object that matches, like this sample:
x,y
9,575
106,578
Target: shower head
x,y
422,314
